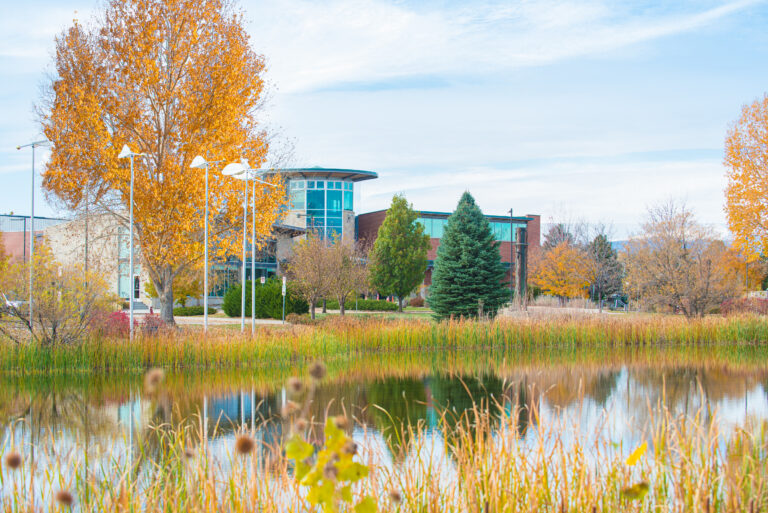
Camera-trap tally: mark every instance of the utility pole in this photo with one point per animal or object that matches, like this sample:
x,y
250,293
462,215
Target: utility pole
x,y
511,260
521,264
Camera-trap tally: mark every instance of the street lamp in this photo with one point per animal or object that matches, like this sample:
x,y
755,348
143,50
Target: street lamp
x,y
127,153
198,163
33,145
242,171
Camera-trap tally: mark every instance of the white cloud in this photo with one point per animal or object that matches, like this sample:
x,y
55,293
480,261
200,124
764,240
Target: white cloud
x,y
314,45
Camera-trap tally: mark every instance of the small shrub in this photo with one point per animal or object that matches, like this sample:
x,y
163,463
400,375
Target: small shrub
x,y
295,318
742,305
374,305
186,311
269,301
416,302
113,324
152,324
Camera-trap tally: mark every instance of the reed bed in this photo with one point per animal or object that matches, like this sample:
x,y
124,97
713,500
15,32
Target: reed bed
x,y
478,461
344,338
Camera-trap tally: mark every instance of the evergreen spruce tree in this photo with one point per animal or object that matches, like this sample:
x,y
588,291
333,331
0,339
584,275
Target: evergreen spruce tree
x,y
400,252
468,269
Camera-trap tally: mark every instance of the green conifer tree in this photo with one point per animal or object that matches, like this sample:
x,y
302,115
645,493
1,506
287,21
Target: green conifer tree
x,y
400,252
468,271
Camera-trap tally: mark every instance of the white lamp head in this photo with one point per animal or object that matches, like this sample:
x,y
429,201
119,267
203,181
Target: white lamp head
x,y
125,152
198,163
233,169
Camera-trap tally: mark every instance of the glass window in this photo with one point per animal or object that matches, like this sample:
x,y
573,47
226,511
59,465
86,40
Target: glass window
x,y
348,200
316,200
298,199
310,185
333,221
319,184
334,203
337,185
347,186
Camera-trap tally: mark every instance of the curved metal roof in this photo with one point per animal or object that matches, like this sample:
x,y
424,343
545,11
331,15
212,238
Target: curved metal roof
x,y
353,175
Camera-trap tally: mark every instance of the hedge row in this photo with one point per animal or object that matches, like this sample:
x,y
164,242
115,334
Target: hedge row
x,y
186,311
269,301
374,305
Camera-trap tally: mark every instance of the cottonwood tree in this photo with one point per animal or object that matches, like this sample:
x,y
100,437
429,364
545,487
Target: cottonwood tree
x,y
310,269
746,156
563,271
66,299
677,263
347,273
172,79
399,256
468,272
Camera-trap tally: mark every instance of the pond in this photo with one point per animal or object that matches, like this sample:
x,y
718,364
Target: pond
x,y
96,423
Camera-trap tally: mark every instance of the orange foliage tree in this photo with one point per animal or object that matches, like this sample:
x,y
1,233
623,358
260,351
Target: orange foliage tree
x,y
172,79
563,271
746,154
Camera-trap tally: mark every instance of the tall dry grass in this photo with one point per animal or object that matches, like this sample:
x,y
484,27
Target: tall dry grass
x,y
343,338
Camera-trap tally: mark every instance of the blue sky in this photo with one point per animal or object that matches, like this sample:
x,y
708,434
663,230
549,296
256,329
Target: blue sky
x,y
591,110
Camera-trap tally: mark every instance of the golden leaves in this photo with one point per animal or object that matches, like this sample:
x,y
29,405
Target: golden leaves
x,y
148,76
562,271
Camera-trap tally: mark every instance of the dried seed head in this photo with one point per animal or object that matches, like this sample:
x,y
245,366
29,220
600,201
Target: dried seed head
x,y
289,409
153,378
295,386
13,460
330,472
341,421
244,444
349,447
317,371
64,498
301,425
189,453
395,496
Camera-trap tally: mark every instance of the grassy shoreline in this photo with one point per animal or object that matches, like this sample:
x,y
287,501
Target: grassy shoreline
x,y
348,338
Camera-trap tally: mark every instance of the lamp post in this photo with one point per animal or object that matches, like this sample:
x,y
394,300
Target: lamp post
x,y
197,163
33,145
127,153
242,171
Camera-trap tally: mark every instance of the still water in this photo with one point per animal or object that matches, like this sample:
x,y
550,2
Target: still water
x,y
107,420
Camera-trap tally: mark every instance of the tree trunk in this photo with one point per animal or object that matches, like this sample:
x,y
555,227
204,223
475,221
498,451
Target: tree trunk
x,y
324,309
312,305
600,300
399,304
341,305
166,298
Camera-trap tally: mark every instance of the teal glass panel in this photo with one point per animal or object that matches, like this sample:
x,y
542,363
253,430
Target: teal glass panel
x,y
348,200
315,200
334,203
298,199
347,186
310,185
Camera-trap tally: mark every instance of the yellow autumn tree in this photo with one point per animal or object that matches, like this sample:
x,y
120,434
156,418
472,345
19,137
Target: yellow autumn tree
x,y
563,271
172,79
746,155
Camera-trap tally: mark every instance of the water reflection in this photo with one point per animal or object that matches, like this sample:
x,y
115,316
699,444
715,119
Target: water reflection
x,y
106,420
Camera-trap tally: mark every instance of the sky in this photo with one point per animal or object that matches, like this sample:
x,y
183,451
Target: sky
x,y
588,110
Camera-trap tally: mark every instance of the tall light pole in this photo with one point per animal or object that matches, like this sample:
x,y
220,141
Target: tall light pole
x,y
242,171
33,145
127,153
197,163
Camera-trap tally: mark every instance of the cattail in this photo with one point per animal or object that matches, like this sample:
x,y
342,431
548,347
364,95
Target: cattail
x,y
289,409
153,379
13,460
317,371
330,471
64,498
341,422
244,444
189,453
295,386
301,425
395,496
349,447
